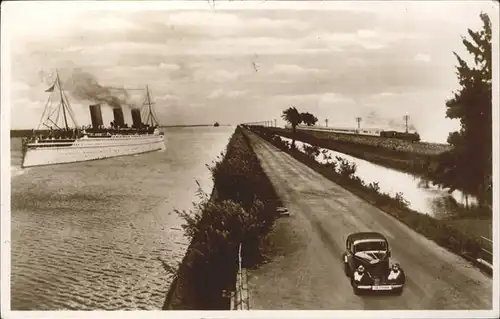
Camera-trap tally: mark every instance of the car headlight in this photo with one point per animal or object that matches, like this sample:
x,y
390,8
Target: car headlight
x,y
361,269
358,274
395,272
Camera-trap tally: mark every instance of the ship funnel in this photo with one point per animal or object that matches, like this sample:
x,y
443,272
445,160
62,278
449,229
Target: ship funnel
x,y
96,115
136,118
118,116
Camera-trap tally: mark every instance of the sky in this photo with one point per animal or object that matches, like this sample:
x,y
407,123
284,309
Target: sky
x,y
224,62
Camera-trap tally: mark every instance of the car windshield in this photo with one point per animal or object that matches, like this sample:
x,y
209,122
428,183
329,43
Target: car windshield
x,y
370,245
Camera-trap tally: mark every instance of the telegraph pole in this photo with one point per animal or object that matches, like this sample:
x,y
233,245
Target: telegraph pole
x,y
275,123
326,122
406,117
358,119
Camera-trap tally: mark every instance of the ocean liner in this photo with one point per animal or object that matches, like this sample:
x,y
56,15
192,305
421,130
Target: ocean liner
x,y
59,143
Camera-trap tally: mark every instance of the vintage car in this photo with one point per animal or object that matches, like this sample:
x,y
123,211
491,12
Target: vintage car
x,y
366,263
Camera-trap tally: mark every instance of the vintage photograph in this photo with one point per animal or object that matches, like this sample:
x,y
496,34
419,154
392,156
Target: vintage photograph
x,y
250,155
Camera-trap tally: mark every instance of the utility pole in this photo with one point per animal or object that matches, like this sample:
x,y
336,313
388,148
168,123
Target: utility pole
x,y
358,119
406,117
326,122
275,123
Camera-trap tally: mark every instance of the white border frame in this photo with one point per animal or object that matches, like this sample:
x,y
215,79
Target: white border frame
x,y
210,5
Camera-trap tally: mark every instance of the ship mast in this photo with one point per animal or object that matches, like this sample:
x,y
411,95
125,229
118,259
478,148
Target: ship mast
x,y
148,103
62,101
48,115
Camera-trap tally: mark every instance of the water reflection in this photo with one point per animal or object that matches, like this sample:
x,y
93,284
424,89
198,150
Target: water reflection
x,y
420,193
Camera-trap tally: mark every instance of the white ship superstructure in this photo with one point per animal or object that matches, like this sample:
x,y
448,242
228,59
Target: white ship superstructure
x,y
69,145
58,151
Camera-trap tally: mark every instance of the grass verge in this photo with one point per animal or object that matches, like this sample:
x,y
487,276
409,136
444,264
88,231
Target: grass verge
x,y
241,209
342,172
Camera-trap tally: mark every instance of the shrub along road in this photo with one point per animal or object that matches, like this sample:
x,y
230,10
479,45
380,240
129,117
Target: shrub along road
x,y
306,270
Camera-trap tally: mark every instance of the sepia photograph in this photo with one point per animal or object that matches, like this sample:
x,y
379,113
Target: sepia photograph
x,y
249,159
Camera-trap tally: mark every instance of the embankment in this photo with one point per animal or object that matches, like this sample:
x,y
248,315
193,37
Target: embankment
x,y
343,173
241,209
411,157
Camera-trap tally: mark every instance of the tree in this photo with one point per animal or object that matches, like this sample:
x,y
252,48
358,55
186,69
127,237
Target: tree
x,y
294,118
468,166
308,118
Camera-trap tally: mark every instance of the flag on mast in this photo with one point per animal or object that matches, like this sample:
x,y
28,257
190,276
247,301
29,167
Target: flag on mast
x,y
51,89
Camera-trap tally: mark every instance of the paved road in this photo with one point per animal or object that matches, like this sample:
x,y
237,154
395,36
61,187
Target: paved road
x,y
306,269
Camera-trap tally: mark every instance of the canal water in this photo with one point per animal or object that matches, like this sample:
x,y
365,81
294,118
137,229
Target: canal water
x,y
423,197
95,235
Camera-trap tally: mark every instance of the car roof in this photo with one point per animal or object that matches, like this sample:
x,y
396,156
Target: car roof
x,y
366,235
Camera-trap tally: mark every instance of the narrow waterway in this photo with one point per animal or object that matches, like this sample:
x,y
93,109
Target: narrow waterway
x,y
422,196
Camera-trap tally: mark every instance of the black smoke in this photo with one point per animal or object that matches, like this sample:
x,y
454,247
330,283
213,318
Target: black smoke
x,y
83,85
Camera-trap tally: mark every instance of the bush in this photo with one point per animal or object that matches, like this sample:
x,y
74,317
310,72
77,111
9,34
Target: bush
x,y
400,200
241,209
374,187
346,168
311,151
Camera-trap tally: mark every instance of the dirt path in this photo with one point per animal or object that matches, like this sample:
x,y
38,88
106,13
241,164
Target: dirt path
x,y
306,268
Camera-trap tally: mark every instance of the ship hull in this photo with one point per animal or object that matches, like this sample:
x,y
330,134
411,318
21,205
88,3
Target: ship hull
x,y
88,149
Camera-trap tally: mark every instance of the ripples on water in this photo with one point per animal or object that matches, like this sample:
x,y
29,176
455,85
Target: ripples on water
x,y
92,235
